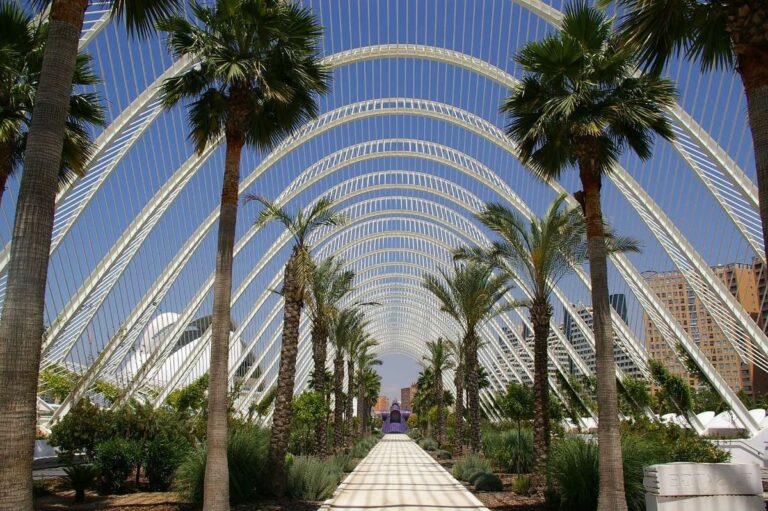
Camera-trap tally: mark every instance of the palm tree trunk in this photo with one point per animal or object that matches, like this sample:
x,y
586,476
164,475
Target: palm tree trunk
x,y
541,312
440,407
753,68
216,488
338,400
611,473
319,354
350,392
473,396
21,327
459,409
281,417
361,409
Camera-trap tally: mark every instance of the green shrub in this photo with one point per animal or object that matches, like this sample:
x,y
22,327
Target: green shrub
x,y
40,488
473,477
468,465
676,443
115,459
362,447
573,471
80,478
246,459
522,485
428,444
163,456
311,478
488,482
85,426
510,449
443,455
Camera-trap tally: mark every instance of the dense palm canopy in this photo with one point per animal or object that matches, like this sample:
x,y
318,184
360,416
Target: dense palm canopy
x,y
22,42
472,295
297,281
581,104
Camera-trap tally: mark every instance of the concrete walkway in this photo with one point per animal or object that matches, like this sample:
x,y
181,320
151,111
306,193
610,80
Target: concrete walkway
x,y
398,474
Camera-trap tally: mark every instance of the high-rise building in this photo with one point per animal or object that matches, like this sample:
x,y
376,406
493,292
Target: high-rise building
x,y
583,348
507,361
382,404
405,398
747,284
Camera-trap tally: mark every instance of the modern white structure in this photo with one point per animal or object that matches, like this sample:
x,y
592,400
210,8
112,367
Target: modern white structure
x,y
411,144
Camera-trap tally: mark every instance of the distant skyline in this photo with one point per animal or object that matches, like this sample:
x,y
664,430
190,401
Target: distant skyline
x,y
397,372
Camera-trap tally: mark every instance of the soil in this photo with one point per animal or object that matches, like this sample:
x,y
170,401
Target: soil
x,y
508,500
63,499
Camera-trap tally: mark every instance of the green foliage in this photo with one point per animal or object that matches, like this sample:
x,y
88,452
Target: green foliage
x,y
40,488
109,392
312,478
163,456
116,459
362,447
675,394
57,382
80,478
443,455
677,444
310,410
517,402
428,444
573,475
634,396
81,430
473,476
512,450
192,398
488,482
246,458
468,465
522,485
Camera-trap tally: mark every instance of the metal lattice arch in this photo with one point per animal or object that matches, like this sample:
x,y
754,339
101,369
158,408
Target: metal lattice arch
x,y
410,158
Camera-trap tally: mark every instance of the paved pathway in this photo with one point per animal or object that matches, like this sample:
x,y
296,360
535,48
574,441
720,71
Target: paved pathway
x,y
398,474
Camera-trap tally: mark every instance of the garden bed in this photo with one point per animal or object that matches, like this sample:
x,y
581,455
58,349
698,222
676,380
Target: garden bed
x,y
507,499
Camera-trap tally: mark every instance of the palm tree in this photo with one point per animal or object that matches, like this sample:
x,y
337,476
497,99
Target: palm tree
x,y
355,347
22,42
438,360
720,35
368,383
256,81
538,254
579,105
296,280
459,376
348,333
329,284
470,296
21,325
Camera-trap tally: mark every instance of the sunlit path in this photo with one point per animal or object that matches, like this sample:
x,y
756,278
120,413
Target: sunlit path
x,y
398,474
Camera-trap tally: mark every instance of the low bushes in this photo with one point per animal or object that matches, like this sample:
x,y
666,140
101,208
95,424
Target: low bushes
x,y
443,455
469,465
488,482
115,460
511,449
428,444
362,447
311,478
522,485
80,478
246,454
162,457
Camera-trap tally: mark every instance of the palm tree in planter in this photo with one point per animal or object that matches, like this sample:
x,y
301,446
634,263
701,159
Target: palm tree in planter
x,y
720,35
22,42
354,347
579,105
21,325
257,80
439,359
538,254
297,280
367,381
329,284
471,296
